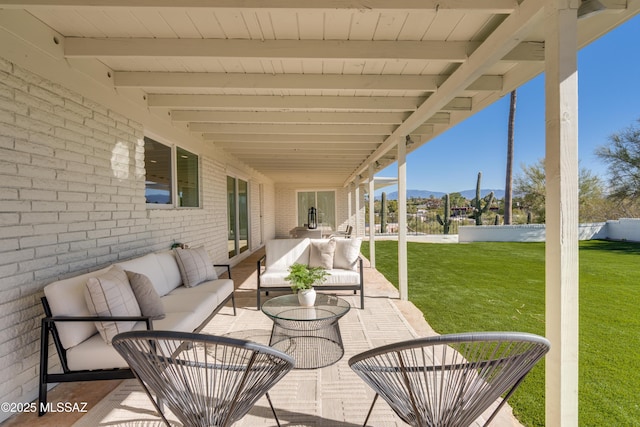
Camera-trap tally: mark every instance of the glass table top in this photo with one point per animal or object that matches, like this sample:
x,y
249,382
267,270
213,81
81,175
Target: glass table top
x,y
286,307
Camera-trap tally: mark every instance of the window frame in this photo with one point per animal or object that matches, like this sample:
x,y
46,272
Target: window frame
x,y
174,204
316,191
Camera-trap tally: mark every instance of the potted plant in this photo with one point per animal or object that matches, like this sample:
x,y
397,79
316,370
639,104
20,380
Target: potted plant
x,y
302,278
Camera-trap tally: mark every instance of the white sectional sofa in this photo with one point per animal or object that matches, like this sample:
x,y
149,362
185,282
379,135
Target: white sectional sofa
x,y
345,272
87,355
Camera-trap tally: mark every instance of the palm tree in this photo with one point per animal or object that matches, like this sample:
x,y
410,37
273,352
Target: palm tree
x,y
508,191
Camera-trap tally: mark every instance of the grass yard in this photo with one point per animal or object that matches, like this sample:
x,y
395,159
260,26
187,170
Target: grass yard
x,y
487,286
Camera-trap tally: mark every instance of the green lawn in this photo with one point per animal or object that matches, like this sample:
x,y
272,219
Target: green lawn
x,y
498,286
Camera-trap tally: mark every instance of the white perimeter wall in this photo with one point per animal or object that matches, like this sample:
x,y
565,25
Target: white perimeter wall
x,y
622,229
72,201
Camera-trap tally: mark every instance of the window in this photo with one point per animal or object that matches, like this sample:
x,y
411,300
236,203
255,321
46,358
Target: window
x,y
238,215
325,204
161,189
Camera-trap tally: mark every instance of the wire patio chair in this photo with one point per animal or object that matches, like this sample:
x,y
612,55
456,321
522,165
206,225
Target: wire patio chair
x,y
204,380
449,380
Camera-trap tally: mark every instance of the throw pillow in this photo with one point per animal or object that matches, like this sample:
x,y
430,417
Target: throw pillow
x,y
110,295
195,266
146,295
321,253
347,252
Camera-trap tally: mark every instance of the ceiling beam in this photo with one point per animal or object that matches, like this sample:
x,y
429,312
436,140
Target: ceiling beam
x,y
285,138
450,51
426,83
301,129
485,6
514,28
298,117
295,102
251,151
284,103
286,117
301,145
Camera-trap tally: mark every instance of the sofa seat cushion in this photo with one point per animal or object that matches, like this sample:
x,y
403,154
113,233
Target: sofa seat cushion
x,y
94,353
341,277
199,306
273,278
220,287
281,253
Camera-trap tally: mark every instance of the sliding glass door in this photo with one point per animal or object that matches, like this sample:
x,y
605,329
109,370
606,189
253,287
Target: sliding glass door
x,y
238,216
323,201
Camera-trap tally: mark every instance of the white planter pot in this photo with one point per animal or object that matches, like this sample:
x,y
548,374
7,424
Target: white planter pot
x,y
307,297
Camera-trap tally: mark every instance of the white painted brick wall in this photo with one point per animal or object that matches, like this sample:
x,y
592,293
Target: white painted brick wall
x,y
72,201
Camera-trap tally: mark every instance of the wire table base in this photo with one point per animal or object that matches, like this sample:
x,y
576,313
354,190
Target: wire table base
x,y
311,335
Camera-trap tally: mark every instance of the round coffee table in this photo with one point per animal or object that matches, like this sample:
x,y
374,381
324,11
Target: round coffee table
x,y
311,335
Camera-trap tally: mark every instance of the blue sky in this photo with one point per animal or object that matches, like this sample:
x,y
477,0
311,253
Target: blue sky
x,y
608,101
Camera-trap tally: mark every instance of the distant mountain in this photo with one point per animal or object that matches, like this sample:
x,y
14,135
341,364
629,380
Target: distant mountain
x,y
469,194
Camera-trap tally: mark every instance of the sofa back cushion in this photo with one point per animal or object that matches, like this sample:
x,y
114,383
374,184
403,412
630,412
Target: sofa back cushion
x,y
170,269
150,266
281,253
66,298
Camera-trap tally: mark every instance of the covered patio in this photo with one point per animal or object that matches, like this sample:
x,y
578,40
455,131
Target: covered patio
x,y
129,126
331,396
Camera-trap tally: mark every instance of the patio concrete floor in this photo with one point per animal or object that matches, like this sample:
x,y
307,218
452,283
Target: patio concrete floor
x,y
377,291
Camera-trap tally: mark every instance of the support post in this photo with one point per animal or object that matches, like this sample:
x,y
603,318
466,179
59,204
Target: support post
x,y
402,220
350,205
356,194
561,250
372,219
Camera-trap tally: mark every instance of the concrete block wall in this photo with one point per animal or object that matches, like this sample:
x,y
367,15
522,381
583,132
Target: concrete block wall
x,y
71,201
624,229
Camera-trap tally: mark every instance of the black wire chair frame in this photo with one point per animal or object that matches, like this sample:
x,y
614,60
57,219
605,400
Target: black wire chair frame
x,y
449,380
204,380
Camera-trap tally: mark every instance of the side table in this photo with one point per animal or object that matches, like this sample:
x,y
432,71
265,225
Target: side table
x,y
311,335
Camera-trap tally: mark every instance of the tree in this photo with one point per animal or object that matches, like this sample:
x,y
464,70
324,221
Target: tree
x,y
530,185
457,200
508,187
622,156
